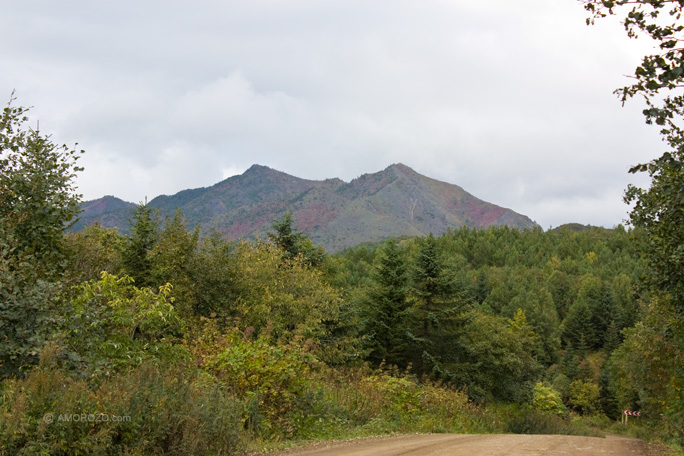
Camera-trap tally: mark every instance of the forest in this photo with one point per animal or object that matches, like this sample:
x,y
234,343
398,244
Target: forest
x,y
163,341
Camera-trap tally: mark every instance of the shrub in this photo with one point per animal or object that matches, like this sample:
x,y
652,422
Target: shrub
x,y
390,400
584,397
173,410
526,420
273,381
546,399
114,325
148,410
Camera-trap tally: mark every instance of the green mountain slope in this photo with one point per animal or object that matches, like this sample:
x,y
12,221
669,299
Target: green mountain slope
x,y
393,202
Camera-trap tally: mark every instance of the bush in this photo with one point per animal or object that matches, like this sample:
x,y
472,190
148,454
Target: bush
x,y
114,325
584,397
148,410
546,399
273,381
386,401
525,420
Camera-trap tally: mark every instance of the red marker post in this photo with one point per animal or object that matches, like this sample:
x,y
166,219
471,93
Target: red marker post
x,y
627,413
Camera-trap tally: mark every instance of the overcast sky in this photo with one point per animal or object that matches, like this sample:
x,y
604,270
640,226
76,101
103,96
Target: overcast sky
x,y
510,99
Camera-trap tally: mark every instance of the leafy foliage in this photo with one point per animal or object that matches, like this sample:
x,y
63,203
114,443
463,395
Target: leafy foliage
x,y
37,201
658,209
146,410
584,396
37,194
27,304
495,359
546,399
273,380
93,250
288,302
114,325
647,368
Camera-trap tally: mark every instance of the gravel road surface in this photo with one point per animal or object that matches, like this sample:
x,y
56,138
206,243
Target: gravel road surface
x,y
478,445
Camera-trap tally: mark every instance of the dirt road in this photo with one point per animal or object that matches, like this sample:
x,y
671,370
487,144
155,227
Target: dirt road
x,y
479,445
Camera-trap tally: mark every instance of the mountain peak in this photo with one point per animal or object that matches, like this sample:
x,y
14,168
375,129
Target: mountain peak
x,y
261,171
400,167
393,202
255,168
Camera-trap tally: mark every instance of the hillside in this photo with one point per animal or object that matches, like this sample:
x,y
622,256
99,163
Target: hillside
x,y
393,202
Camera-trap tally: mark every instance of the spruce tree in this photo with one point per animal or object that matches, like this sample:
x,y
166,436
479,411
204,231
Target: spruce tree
x,y
293,242
434,307
386,308
577,325
144,235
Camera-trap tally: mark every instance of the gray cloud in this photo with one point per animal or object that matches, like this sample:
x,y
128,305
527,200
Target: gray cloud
x,y
510,100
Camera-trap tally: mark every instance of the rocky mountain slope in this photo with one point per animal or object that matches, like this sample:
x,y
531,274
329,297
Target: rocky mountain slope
x,y
394,202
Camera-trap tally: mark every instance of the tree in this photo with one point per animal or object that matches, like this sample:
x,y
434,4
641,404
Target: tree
x,y
137,261
293,242
435,306
493,357
92,250
541,312
658,80
660,208
212,272
37,201
577,328
387,307
172,255
37,193
114,325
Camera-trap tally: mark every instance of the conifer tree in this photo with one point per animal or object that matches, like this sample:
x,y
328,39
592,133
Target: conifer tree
x,y
172,253
387,307
434,308
293,242
577,325
613,338
604,313
144,234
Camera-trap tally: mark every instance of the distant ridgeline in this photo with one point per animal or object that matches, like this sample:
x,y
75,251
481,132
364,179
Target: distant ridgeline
x,y
394,202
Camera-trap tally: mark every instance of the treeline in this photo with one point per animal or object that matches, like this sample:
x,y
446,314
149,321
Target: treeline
x,y
490,311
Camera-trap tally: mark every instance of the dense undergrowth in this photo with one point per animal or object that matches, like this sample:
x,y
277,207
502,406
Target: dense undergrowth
x,y
261,401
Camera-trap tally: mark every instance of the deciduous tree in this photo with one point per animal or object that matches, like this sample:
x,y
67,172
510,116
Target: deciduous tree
x,y
37,201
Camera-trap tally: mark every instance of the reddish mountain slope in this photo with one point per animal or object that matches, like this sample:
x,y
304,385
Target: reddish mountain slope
x,y
394,202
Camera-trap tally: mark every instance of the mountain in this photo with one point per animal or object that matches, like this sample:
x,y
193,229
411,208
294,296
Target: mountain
x,y
393,202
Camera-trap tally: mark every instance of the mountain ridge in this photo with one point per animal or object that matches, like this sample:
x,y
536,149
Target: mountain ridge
x,y
395,201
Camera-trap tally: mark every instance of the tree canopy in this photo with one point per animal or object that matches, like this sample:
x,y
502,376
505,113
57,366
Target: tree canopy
x,y
659,80
659,209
